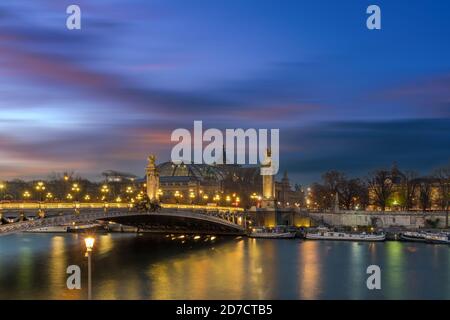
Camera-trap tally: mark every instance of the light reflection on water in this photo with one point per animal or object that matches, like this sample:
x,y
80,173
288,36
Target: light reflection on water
x,y
309,271
130,266
395,263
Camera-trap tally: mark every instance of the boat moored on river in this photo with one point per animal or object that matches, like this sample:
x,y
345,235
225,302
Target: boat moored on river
x,y
51,229
343,236
428,237
76,228
87,227
439,238
276,233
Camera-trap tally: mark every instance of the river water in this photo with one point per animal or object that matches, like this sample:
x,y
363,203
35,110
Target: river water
x,y
133,266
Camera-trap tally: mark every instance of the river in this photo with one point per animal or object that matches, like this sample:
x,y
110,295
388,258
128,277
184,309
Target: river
x,y
144,266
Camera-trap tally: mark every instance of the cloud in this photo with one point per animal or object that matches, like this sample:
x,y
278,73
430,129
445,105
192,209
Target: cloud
x,y
60,61
427,95
357,147
119,88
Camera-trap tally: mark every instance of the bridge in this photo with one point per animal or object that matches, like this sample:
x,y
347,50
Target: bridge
x,y
186,219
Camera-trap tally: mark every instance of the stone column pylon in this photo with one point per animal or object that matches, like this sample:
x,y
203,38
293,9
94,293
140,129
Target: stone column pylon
x,y
152,179
268,180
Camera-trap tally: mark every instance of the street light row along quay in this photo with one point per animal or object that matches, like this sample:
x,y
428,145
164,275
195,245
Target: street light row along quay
x,y
41,187
202,195
76,189
104,190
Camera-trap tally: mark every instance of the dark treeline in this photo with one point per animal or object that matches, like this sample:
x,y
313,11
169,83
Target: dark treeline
x,y
383,189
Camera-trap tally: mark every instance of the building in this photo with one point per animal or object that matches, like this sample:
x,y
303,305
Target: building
x,y
116,176
219,184
189,183
286,196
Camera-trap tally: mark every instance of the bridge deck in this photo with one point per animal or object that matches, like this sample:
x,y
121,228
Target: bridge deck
x,y
140,219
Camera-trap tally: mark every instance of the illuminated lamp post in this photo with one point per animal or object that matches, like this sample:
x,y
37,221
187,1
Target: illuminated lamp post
x,y
40,188
104,190
26,195
2,190
192,196
89,242
205,197
49,196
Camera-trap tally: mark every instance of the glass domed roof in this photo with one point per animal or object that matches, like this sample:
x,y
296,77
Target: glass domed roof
x,y
198,171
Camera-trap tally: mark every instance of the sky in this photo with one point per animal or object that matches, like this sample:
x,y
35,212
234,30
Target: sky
x,y
106,96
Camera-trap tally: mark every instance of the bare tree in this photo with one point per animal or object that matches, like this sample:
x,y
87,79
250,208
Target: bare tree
x,y
442,177
380,184
332,179
350,192
321,197
363,195
425,194
408,189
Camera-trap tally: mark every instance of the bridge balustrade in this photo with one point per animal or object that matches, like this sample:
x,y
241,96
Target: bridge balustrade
x,y
96,212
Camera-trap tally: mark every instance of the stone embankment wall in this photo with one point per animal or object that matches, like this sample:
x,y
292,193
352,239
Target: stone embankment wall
x,y
380,219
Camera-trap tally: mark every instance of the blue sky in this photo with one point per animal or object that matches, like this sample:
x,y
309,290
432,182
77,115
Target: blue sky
x,y
106,96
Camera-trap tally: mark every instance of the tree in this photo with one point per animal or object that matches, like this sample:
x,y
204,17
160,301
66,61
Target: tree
x,y
380,185
350,191
332,179
425,194
363,195
321,197
442,177
408,189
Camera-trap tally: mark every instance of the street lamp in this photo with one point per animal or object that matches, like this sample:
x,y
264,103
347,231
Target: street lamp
x,y
104,190
255,197
89,241
130,204
40,188
26,195
192,196
76,189
2,189
177,195
49,196
129,191
205,197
